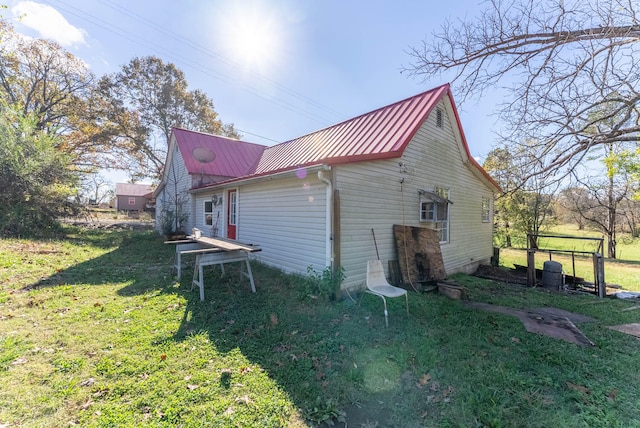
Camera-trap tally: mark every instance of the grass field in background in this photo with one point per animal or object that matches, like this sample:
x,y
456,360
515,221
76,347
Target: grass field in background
x,y
95,332
623,271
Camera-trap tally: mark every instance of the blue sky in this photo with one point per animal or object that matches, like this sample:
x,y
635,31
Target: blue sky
x,y
277,69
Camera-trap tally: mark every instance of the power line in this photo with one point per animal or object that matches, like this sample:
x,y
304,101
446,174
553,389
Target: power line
x,y
257,135
127,35
216,55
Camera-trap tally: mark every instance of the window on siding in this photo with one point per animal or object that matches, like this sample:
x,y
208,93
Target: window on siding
x,y
132,200
208,213
439,117
486,209
233,202
434,208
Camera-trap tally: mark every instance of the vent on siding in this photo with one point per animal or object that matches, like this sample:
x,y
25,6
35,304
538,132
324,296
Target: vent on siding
x,y
439,117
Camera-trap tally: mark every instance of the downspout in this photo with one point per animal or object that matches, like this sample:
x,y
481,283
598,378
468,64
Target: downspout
x,y
328,212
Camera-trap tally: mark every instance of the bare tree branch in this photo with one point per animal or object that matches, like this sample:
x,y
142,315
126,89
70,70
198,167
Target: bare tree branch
x,y
558,61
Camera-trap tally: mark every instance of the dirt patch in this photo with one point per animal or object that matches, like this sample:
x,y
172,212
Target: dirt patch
x,y
496,273
551,322
111,224
632,329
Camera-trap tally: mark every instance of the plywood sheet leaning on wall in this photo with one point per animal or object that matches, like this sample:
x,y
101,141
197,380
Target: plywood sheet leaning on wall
x,y
419,254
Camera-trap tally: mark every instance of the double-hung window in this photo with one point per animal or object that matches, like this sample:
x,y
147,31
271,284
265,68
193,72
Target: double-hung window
x,y
486,209
434,208
208,213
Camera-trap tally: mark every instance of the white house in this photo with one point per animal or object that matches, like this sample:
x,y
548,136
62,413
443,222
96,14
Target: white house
x,y
313,200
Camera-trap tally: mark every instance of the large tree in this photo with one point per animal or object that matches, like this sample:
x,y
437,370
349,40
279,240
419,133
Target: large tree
x,y
525,206
45,82
560,61
158,92
37,182
604,193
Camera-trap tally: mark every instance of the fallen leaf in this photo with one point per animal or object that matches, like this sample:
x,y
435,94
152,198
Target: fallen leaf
x,y
613,394
274,319
230,411
515,340
19,361
144,376
435,386
191,387
86,404
186,378
245,370
578,388
244,400
450,390
163,357
88,382
423,380
96,304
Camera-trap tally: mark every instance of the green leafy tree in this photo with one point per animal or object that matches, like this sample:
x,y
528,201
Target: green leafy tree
x,y
158,93
602,195
37,181
45,82
524,207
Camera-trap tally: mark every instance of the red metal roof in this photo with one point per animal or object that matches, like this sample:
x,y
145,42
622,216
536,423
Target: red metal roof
x,y
233,158
381,134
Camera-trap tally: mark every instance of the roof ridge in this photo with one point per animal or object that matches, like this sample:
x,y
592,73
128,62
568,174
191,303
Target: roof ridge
x,y
351,119
177,128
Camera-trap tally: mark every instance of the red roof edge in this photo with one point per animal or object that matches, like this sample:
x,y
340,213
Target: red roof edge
x,y
472,160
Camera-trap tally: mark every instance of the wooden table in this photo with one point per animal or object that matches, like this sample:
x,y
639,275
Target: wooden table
x,y
213,251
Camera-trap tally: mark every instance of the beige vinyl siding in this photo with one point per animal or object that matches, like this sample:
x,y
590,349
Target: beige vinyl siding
x,y
177,177
286,218
218,215
372,196
369,199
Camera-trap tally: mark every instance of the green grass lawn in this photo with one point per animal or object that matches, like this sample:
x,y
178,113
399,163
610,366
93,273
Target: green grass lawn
x,y
94,331
623,271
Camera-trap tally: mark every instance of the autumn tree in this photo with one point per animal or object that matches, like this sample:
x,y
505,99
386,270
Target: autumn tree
x,y
603,194
45,82
526,204
158,93
559,61
37,182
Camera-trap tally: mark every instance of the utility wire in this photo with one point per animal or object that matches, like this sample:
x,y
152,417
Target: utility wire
x,y
127,35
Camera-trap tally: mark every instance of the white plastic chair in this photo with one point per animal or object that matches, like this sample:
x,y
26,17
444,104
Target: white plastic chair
x,y
377,284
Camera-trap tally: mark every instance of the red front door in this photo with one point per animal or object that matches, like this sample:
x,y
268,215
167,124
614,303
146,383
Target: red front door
x,y
232,213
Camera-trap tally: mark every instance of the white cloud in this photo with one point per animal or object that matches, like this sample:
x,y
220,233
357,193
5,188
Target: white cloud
x,y
48,23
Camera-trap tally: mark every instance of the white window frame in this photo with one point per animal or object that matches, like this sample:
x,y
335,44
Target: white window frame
x,y
233,208
434,209
132,200
486,209
208,215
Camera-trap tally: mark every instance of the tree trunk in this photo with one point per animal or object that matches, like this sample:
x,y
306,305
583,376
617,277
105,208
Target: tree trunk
x,y
611,222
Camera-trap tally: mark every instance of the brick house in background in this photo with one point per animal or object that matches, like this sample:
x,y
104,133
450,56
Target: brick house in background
x,y
134,197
